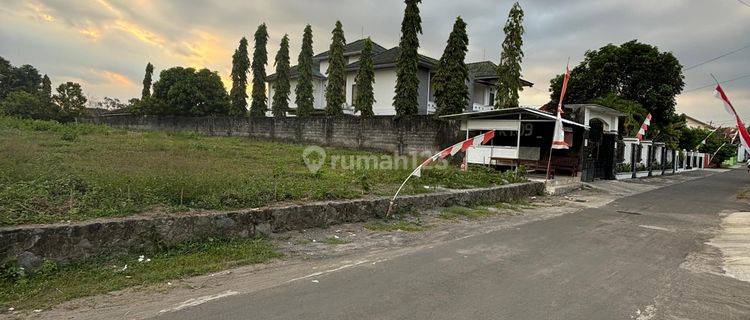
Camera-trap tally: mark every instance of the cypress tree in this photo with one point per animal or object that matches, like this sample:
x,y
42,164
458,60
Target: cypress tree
x,y
46,89
365,78
238,93
258,107
450,81
406,100
336,88
509,69
146,93
281,86
304,89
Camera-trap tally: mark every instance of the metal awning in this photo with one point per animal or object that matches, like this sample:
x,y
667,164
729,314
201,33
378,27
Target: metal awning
x,y
510,111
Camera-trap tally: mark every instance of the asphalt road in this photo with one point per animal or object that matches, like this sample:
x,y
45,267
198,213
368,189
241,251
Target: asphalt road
x,y
640,257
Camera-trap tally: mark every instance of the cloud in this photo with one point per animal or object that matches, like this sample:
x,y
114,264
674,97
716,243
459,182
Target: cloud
x,y
116,78
40,11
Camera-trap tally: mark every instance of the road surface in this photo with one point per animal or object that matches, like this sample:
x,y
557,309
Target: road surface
x,y
640,257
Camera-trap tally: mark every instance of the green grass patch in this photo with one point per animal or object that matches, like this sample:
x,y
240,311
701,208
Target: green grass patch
x,y
52,284
471,213
334,241
51,172
396,225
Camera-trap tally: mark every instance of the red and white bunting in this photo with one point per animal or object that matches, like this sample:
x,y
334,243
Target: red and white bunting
x,y
644,128
744,136
450,151
454,149
558,138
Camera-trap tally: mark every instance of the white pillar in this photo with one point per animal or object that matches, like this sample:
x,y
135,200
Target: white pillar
x,y
644,150
630,144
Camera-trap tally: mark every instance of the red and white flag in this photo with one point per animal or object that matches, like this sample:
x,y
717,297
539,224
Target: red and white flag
x,y
744,136
644,128
558,139
454,149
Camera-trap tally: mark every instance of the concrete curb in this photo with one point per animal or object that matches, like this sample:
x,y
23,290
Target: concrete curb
x,y
30,245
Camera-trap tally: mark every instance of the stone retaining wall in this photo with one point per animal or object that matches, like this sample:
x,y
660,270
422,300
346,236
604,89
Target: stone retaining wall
x,y
30,245
414,134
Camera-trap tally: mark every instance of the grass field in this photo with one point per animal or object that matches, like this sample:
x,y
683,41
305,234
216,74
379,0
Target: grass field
x,y
51,172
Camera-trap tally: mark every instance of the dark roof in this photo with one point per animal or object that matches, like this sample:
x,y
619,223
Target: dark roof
x,y
482,69
487,70
294,72
352,48
388,58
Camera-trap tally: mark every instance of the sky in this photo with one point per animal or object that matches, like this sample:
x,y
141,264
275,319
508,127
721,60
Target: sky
x,y
105,44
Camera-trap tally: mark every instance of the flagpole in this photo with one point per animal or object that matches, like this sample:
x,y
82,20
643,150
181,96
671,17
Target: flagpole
x,y
717,80
566,78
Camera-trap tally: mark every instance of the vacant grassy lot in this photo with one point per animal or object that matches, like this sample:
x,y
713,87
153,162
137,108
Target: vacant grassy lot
x,y
51,172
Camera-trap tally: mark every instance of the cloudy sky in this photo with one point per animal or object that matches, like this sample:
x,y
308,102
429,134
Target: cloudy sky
x,y
106,44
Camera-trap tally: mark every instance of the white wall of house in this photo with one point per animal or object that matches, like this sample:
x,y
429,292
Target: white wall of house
x,y
611,121
318,94
349,90
482,94
324,66
384,89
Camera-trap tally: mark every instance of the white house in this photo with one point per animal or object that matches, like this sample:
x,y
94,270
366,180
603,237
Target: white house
x,y
482,77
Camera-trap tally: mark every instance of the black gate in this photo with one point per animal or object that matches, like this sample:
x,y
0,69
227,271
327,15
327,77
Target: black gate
x,y
598,159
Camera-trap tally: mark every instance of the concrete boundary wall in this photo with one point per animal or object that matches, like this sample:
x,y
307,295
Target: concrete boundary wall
x,y
30,245
384,133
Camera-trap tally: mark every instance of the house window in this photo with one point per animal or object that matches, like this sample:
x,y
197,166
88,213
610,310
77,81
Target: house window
x,y
491,98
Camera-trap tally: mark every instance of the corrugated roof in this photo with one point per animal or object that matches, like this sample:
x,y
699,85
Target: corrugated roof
x,y
507,111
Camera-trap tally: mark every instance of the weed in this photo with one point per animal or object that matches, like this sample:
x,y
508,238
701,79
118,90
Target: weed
x,y
396,225
52,284
470,213
334,241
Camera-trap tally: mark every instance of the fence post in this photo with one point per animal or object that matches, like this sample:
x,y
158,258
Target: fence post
x,y
634,158
650,159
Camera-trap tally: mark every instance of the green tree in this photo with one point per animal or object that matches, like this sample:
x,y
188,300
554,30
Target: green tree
x,y
406,99
632,71
26,105
365,79
6,74
185,92
238,93
452,75
691,139
281,87
509,68
634,111
24,78
46,90
336,88
147,79
70,100
304,89
260,59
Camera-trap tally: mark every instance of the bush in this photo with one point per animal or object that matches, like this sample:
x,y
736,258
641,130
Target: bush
x,y
26,105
